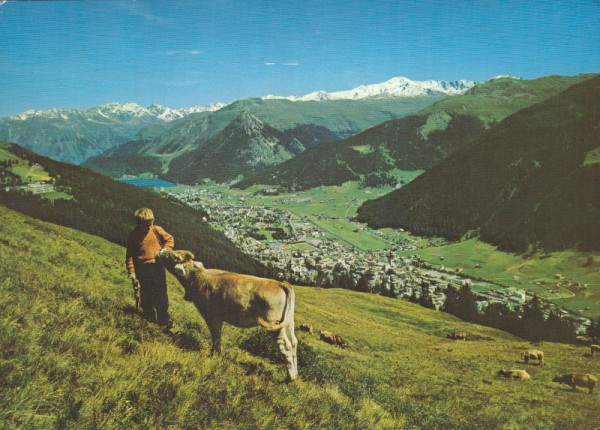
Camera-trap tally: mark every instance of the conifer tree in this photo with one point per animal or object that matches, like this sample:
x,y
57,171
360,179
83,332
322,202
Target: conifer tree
x,y
532,322
425,298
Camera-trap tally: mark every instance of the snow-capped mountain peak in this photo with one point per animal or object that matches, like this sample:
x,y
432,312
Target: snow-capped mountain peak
x,y
505,76
169,114
119,111
394,87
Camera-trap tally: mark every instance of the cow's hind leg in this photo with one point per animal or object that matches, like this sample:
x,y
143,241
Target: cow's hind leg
x,y
287,349
294,342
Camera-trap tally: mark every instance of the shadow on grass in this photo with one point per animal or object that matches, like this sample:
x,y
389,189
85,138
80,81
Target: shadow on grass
x,y
522,363
131,310
311,367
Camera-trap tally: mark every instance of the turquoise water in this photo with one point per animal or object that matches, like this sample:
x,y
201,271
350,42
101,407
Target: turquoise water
x,y
149,182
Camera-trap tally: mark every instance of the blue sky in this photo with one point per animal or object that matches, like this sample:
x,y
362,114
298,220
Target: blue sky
x,y
80,54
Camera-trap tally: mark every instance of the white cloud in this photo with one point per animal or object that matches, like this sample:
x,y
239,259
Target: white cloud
x,y
291,63
140,10
184,52
269,64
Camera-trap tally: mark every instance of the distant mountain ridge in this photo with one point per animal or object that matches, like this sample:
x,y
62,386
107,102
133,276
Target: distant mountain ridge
x,y
309,123
115,110
418,141
73,135
394,87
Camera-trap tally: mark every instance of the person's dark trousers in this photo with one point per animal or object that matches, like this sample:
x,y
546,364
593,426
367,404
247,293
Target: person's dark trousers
x,y
153,293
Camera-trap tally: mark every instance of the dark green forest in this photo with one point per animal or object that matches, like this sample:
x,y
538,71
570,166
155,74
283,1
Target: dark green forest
x,y
529,183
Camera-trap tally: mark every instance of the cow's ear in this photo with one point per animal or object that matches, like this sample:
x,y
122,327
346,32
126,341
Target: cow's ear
x,y
187,256
198,265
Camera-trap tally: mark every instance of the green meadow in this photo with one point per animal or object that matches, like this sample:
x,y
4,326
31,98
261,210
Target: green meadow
x,y
567,278
75,355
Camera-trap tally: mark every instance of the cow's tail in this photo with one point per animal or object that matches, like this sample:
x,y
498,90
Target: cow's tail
x,y
288,312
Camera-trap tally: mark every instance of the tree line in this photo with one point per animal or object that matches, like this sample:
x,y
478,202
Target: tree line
x,y
533,321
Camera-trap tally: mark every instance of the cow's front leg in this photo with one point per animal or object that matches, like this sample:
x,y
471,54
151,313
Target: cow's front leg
x,y
215,328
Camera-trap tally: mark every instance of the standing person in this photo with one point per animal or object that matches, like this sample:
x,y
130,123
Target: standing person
x,y
143,243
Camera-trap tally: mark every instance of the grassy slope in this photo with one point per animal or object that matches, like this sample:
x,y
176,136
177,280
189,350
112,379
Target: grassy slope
x,y
105,207
74,355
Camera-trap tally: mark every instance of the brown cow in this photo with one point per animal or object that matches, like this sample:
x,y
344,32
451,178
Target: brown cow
x,y
533,354
518,374
306,327
457,336
594,348
334,339
575,380
240,300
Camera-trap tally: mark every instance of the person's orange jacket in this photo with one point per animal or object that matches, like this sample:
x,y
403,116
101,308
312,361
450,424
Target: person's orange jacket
x,y
143,246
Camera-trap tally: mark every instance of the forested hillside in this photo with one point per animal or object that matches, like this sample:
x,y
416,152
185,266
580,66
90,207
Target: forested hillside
x,y
530,181
104,207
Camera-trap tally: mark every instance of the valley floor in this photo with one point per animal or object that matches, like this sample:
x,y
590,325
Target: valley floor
x,y
568,279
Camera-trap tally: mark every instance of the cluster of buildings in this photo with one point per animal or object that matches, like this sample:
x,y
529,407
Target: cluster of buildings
x,y
302,253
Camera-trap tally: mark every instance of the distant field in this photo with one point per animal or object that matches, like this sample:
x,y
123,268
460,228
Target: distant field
x,y
340,202
7,155
57,195
33,173
516,271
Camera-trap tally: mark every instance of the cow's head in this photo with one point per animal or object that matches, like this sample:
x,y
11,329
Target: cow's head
x,y
177,262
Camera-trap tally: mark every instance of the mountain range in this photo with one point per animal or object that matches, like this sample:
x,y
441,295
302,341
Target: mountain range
x,y
529,182
73,135
308,122
76,135
415,142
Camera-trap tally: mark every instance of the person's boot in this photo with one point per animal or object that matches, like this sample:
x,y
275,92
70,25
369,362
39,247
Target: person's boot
x,y
166,327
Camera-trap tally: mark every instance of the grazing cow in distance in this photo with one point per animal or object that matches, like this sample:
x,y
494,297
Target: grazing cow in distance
x,y
240,300
306,327
533,354
585,340
457,336
517,374
594,348
333,339
575,380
